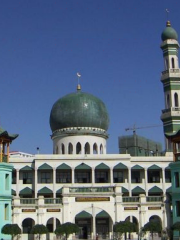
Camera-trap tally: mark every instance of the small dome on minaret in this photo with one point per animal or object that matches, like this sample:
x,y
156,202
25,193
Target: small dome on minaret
x,y
169,32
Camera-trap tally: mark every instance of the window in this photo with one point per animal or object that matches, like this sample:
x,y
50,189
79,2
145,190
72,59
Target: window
x,y
95,151
82,177
178,208
172,61
168,176
135,176
102,177
87,148
176,178
78,148
6,211
176,102
62,149
63,177
167,103
7,181
70,148
27,177
154,176
101,149
45,177
166,64
118,176
14,177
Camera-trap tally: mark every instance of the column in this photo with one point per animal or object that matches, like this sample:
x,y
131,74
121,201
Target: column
x,y
129,181
54,224
94,222
54,182
93,176
17,182
72,175
111,175
35,182
146,181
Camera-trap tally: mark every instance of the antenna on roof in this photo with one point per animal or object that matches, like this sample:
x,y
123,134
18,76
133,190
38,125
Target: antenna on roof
x,y
78,86
167,14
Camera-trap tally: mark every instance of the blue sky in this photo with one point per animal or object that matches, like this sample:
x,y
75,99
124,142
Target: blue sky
x,y
114,44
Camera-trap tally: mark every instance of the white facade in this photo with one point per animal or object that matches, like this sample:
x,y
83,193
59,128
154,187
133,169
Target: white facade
x,y
108,187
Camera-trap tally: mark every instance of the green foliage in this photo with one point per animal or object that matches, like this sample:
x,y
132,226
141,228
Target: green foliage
x,y
39,229
67,229
125,227
11,229
153,227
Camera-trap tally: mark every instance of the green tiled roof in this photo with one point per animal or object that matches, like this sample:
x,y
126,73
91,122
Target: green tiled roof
x,y
4,133
13,192
137,167
26,168
120,166
59,191
45,166
154,167
124,190
45,190
83,214
138,190
102,166
83,166
155,189
63,167
26,191
169,190
102,214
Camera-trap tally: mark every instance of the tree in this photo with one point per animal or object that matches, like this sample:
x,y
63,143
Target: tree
x,y
176,227
67,229
152,227
39,229
11,229
125,227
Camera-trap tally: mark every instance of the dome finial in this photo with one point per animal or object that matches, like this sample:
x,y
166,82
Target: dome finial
x,y
78,86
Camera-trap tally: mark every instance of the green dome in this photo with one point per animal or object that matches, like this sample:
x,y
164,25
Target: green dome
x,y
79,109
169,33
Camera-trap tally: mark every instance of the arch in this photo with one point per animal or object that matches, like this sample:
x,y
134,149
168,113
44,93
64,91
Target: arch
x,y
167,101
70,148
172,62
155,218
50,224
95,149
176,100
132,219
78,148
101,149
27,225
87,148
62,148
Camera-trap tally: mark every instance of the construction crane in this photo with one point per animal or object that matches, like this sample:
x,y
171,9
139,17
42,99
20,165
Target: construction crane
x,y
134,128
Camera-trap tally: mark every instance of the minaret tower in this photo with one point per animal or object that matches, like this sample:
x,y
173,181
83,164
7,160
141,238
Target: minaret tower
x,y
171,82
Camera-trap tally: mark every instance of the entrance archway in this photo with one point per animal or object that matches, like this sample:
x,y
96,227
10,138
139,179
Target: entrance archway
x,y
84,222
27,225
52,224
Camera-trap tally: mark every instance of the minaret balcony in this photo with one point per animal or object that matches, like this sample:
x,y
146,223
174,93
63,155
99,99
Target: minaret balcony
x,y
170,112
173,72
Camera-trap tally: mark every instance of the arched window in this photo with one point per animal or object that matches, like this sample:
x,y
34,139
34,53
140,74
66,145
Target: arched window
x,y
172,61
27,225
95,150
167,101
87,148
62,149
70,148
101,149
176,101
78,148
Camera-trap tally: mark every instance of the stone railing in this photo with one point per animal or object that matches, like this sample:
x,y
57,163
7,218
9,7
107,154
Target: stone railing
x,y
90,189
173,70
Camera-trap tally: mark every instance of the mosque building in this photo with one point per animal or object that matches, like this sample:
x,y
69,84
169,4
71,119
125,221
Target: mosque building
x,y
80,182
